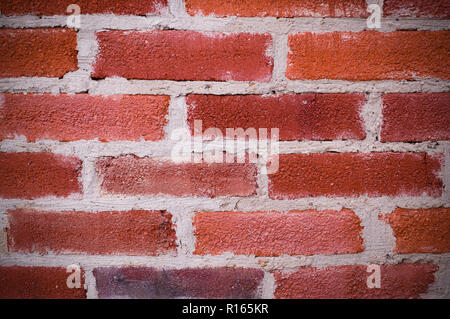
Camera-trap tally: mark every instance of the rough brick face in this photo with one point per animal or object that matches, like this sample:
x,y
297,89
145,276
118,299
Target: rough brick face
x,y
183,55
278,8
129,233
352,175
18,282
298,116
37,52
278,233
140,282
33,175
59,7
324,142
369,55
417,8
83,117
416,117
397,282
420,230
163,177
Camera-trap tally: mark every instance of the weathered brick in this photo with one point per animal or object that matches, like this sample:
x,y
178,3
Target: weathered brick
x,y
417,8
17,282
297,116
59,7
131,175
369,55
33,175
183,55
83,117
420,230
338,282
37,52
356,174
131,233
278,8
416,117
278,233
141,282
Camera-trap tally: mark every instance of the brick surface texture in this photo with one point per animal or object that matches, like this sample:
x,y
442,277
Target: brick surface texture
x,y
225,149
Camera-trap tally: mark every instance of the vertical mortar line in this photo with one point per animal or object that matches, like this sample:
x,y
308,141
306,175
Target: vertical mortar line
x,y
176,121
89,178
87,47
441,286
177,8
279,53
262,179
79,80
3,226
184,229
268,286
177,115
372,117
278,81
378,237
87,51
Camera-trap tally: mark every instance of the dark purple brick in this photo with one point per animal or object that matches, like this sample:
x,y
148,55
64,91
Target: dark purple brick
x,y
143,282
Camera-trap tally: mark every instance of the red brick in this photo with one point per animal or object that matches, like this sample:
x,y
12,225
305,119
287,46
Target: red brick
x,y
277,233
83,117
416,117
143,283
279,8
356,174
298,116
33,175
417,8
18,282
59,7
420,230
339,282
131,175
183,55
369,55
37,52
131,233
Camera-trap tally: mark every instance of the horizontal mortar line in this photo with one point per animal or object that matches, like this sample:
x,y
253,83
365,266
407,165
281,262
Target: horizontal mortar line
x,y
96,149
384,204
110,86
124,86
227,24
311,147
284,262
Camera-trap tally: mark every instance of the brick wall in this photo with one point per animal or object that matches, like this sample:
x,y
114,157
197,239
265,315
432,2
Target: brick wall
x,y
87,178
